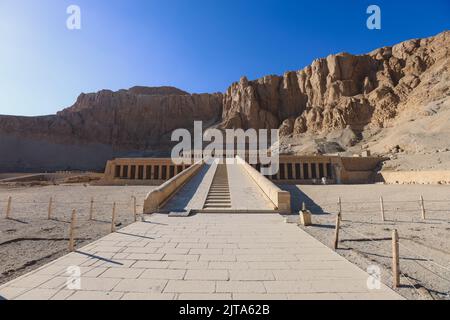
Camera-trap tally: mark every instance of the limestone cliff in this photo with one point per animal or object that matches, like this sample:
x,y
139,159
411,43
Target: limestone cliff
x,y
393,101
343,90
102,125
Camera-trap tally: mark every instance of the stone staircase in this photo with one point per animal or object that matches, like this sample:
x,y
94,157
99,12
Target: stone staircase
x,y
219,194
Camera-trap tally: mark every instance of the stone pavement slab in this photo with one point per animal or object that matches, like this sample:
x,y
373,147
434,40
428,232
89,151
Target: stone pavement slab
x,y
206,256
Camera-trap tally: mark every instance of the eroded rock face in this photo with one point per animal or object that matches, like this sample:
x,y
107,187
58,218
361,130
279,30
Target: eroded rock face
x,y
338,91
127,121
392,96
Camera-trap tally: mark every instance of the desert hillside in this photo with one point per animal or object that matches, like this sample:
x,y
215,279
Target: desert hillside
x,y
394,101
101,126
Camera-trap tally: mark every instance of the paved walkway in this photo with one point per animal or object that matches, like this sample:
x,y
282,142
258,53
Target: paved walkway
x,y
246,196
206,256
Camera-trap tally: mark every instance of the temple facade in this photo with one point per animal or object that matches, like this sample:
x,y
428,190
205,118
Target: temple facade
x,y
293,169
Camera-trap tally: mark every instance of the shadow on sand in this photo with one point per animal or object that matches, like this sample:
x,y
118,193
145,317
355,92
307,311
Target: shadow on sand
x,y
298,198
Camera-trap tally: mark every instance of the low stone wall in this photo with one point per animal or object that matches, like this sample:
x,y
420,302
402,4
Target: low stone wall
x,y
356,177
280,198
58,177
125,182
156,198
414,177
25,178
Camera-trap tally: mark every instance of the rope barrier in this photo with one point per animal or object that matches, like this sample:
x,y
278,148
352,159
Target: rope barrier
x,y
72,202
395,201
424,258
412,285
387,268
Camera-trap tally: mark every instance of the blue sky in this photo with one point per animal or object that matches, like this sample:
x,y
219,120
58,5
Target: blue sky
x,y
196,45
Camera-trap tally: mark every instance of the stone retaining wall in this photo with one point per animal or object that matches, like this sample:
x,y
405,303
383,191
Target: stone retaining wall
x,y
414,177
280,198
156,198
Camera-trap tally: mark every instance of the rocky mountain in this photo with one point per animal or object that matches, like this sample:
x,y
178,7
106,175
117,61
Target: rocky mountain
x,y
393,101
103,125
348,96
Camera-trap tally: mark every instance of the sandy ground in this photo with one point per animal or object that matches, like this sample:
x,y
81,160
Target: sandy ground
x,y
28,240
365,240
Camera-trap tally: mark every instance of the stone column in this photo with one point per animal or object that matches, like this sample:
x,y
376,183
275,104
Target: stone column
x,y
338,172
144,177
122,171
136,172
294,171
302,174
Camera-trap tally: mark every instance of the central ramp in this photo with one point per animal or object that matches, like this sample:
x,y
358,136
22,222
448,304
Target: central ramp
x,y
234,191
224,188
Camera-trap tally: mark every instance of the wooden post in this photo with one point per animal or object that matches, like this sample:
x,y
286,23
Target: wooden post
x,y
72,232
8,208
395,259
336,234
382,209
422,207
91,209
50,207
340,207
113,219
135,209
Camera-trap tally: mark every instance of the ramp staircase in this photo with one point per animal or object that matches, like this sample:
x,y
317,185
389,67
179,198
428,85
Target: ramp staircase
x,y
219,197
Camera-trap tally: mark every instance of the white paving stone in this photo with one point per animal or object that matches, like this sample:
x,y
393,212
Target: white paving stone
x,y
206,275
189,286
217,256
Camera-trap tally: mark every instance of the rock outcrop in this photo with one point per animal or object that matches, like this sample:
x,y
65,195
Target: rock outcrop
x,y
123,119
392,97
127,122
342,90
